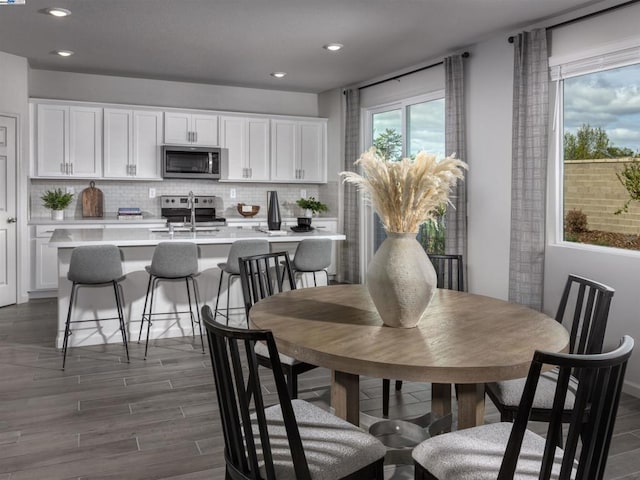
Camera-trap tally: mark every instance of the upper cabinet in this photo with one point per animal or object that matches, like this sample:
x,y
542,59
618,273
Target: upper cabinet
x,y
247,140
298,151
68,141
190,128
132,143
85,140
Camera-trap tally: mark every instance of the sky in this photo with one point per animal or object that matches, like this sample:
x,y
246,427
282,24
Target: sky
x,y
425,124
609,100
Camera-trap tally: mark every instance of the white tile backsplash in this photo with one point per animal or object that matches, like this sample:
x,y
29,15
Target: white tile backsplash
x,y
136,194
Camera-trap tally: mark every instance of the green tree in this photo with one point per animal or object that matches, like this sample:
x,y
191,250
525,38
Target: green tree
x,y
592,142
389,144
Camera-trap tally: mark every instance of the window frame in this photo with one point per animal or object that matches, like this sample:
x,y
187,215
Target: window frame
x,y
366,120
555,190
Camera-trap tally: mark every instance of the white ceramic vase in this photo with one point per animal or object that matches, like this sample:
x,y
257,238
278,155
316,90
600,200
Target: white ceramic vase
x,y
57,214
401,280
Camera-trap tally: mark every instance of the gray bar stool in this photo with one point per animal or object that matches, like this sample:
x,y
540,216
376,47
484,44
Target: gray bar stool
x,y
95,266
313,255
172,261
239,249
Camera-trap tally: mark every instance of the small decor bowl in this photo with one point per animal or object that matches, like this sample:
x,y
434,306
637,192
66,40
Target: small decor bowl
x,y
248,210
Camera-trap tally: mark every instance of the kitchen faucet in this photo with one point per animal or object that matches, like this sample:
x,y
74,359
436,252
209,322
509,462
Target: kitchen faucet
x,y
192,205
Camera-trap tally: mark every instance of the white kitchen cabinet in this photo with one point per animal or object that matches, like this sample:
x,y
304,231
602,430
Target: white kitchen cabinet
x,y
69,141
190,128
132,143
247,141
298,151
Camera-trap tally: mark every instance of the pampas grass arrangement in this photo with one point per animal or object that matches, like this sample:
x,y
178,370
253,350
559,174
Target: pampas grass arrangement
x,y
407,193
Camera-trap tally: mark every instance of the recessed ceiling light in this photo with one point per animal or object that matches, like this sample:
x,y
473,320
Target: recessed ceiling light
x,y
58,12
63,53
278,74
332,47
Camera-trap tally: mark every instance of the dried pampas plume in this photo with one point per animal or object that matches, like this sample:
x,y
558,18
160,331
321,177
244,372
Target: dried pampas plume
x,y
407,193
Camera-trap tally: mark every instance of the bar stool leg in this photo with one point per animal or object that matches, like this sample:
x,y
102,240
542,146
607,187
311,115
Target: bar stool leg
x,y
215,312
119,297
144,309
193,327
228,294
67,326
153,291
196,296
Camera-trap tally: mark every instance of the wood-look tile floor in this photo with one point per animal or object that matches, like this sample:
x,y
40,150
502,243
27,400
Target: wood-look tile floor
x,y
103,418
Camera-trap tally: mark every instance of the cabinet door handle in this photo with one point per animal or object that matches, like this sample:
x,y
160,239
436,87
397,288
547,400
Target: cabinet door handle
x,y
302,172
195,134
135,169
71,164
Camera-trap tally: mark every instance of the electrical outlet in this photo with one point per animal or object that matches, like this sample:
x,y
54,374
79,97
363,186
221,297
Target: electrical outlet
x,y
232,193
152,193
70,190
303,193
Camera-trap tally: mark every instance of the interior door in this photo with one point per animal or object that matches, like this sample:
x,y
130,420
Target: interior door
x,y
8,246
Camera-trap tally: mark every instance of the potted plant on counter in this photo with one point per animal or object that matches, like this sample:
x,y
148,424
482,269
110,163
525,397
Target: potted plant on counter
x,y
56,200
311,206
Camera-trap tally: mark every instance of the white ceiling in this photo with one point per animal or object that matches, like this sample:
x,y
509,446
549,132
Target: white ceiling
x,y
240,42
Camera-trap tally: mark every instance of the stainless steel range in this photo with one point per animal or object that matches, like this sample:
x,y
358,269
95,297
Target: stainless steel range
x,y
192,210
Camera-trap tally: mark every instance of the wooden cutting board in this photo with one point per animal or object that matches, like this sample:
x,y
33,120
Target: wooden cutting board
x,y
92,201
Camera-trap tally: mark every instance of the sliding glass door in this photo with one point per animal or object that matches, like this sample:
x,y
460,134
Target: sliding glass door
x,y
401,130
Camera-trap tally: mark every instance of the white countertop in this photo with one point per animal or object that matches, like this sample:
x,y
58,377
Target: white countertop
x,y
74,237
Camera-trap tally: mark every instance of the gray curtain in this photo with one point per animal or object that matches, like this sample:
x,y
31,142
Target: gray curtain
x,y
350,248
529,168
456,217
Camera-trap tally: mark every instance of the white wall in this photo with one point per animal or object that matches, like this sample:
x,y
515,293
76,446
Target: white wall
x,y
139,91
489,90
14,101
618,268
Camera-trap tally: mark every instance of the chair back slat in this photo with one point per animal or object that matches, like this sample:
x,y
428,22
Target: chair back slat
x,y
599,379
248,450
449,271
590,313
264,275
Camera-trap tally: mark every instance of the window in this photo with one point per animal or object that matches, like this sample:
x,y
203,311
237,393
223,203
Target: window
x,y
600,148
402,130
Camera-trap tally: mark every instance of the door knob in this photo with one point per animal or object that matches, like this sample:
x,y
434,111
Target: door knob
x,y
12,220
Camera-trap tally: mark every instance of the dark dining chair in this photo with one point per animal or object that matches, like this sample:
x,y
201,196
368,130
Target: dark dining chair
x,y
587,316
293,439
506,450
449,273
261,276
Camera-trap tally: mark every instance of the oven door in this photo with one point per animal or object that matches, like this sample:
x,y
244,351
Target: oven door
x,y
190,162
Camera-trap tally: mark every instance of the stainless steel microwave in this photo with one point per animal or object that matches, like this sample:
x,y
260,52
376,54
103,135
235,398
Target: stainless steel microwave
x,y
180,161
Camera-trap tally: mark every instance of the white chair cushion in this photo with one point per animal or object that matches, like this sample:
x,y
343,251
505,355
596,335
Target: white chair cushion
x,y
476,454
509,392
334,448
262,350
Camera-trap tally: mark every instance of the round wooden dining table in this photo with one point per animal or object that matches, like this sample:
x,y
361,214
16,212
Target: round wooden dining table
x,y
462,339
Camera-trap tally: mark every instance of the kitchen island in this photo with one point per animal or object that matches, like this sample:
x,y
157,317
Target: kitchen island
x,y
137,246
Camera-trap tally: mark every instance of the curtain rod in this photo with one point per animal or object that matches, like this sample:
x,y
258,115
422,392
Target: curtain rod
x,y
584,17
464,55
